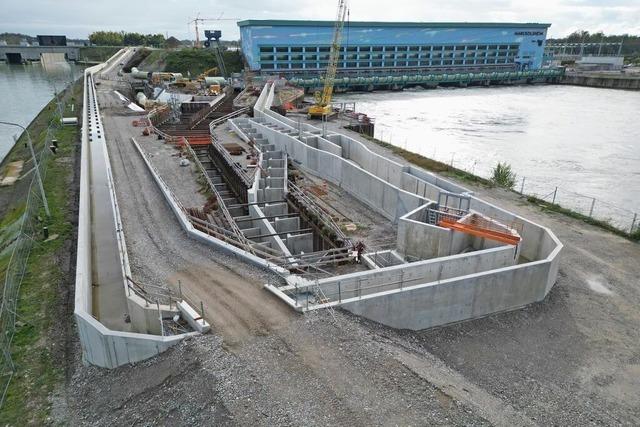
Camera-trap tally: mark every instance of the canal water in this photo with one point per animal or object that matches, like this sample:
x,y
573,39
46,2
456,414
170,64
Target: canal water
x,y
585,141
25,90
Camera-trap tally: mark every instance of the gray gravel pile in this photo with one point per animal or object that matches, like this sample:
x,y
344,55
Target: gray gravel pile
x,y
313,372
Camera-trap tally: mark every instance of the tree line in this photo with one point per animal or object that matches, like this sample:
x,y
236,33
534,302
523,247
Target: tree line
x,y
121,38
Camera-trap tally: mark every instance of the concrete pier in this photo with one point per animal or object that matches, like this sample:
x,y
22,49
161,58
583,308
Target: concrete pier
x,y
602,80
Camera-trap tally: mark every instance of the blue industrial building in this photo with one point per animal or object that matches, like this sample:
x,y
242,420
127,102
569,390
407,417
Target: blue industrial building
x,y
302,47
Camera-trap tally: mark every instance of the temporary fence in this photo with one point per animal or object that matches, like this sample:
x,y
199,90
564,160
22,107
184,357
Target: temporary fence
x,y
623,219
31,227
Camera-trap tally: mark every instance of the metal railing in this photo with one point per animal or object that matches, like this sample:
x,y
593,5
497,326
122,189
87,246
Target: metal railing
x,y
225,212
323,216
626,220
621,218
248,181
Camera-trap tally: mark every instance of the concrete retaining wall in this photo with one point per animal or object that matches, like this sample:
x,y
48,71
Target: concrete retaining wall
x,y
445,289
608,82
101,346
456,299
374,282
390,201
472,295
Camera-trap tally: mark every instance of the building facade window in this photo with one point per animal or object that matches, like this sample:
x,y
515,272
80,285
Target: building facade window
x,y
296,57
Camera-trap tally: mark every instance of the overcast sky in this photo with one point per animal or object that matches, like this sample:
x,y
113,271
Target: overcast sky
x,y
78,18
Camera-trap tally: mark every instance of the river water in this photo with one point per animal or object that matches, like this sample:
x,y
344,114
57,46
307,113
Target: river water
x,y
583,140
25,90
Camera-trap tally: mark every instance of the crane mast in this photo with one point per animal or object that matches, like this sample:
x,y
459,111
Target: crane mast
x,y
322,107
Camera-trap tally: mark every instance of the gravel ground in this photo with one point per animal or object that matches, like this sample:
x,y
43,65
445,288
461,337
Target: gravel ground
x,y
314,371
376,231
182,180
573,359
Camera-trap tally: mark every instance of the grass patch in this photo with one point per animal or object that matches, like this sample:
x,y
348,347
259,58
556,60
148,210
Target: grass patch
x,y
37,373
12,215
553,207
432,165
195,61
154,61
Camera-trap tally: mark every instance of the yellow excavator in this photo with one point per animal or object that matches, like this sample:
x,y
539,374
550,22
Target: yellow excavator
x,y
322,108
211,72
200,82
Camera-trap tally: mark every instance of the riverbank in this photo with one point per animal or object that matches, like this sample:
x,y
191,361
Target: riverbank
x,y
43,335
581,140
470,178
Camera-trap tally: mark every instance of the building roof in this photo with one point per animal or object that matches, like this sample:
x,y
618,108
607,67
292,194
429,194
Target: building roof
x,y
301,23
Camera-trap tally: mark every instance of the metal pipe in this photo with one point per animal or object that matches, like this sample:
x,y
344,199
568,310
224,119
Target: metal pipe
x,y
267,217
304,230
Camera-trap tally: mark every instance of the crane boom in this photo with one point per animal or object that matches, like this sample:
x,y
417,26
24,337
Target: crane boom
x,y
322,108
198,19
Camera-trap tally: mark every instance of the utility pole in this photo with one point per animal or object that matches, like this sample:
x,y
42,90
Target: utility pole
x,y
35,165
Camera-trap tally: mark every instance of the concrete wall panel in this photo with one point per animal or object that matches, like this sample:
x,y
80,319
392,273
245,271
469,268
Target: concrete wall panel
x,y
456,299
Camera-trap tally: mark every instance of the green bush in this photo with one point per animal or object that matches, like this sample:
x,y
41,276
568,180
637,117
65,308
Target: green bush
x,y
195,61
503,176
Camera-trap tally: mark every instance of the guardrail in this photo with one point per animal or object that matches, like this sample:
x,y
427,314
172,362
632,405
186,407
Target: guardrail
x,y
248,181
199,116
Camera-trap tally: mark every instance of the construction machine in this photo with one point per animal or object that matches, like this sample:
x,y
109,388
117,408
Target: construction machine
x,y
211,72
322,108
198,19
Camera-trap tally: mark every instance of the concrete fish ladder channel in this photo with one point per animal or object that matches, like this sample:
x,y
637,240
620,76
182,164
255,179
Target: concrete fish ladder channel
x,y
446,284
103,292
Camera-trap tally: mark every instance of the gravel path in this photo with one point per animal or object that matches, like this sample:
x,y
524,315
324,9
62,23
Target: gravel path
x,y
183,180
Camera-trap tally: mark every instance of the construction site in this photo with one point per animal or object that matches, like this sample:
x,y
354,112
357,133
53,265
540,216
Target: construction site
x,y
233,225
252,173
247,255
